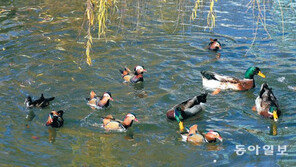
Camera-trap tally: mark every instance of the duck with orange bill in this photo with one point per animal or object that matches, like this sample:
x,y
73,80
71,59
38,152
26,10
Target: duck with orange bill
x,y
194,136
99,102
135,77
187,109
110,123
55,119
266,103
214,45
211,80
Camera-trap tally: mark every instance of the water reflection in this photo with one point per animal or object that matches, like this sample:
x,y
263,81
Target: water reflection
x,y
29,117
273,129
52,134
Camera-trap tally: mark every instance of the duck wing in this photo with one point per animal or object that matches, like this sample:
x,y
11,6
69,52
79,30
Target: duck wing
x,y
221,78
267,95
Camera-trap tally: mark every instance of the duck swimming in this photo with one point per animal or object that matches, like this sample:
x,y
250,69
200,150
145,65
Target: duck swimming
x,y
194,136
109,123
267,104
214,45
101,102
41,102
136,77
186,109
213,80
55,119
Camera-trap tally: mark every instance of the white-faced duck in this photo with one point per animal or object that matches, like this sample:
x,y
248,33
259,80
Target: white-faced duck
x,y
192,135
55,119
41,102
214,45
186,109
101,102
109,123
135,77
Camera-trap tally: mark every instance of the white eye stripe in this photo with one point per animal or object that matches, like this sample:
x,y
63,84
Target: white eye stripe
x,y
139,68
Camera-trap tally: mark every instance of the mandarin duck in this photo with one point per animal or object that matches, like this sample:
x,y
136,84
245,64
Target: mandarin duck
x,y
213,80
192,135
109,123
136,77
41,102
55,119
186,109
214,45
267,104
99,102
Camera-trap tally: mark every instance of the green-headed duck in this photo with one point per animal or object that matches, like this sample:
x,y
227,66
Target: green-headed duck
x,y
135,77
267,104
213,80
186,109
41,102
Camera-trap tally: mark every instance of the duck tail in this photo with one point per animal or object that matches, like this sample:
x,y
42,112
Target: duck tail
x,y
202,98
208,75
51,99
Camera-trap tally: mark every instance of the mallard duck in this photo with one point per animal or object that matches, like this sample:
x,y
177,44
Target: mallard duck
x,y
55,119
193,135
267,104
109,123
133,78
41,102
186,109
99,102
213,80
214,45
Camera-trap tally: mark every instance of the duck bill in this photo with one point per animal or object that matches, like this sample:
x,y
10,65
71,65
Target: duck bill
x,y
136,120
144,70
275,115
111,99
181,126
220,138
261,74
49,121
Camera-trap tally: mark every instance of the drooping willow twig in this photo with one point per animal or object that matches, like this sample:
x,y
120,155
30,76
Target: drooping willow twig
x,y
211,18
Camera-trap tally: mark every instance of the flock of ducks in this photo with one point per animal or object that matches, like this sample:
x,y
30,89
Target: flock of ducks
x,y
266,103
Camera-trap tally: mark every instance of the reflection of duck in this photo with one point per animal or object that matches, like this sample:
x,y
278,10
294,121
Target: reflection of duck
x,y
214,45
109,123
267,104
133,78
195,137
186,109
215,81
52,135
55,119
102,101
41,102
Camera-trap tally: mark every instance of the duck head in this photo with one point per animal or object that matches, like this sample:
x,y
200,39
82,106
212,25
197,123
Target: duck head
x,y
252,71
212,136
139,70
107,96
128,120
214,45
28,101
193,129
273,110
